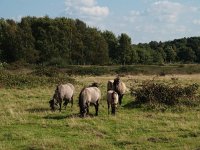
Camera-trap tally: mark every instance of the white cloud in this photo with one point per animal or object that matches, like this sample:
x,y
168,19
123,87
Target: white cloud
x,y
17,18
94,11
158,20
196,22
88,2
163,20
133,16
159,11
166,11
88,10
73,3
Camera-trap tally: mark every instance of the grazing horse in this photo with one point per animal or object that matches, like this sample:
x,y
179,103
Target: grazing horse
x,y
89,95
63,92
120,88
112,100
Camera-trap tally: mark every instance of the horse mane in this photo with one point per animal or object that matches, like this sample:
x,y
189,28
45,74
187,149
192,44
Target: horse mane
x,y
116,84
79,98
116,80
94,84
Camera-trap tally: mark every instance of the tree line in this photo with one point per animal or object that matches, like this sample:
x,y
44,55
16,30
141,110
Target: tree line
x,y
65,41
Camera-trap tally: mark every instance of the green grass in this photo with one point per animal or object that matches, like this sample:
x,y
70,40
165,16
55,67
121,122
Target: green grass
x,y
27,122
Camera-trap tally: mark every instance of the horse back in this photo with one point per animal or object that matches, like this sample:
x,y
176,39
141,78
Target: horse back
x,y
112,97
121,87
91,94
65,90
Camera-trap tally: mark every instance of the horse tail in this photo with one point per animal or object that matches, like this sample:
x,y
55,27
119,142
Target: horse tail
x,y
113,97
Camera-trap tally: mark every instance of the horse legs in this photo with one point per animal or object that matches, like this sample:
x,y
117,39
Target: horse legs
x,y
72,101
97,107
60,104
87,105
60,100
108,108
120,99
113,110
66,101
82,111
52,104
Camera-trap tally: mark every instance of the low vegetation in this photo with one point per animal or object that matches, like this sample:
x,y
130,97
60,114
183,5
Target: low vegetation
x,y
155,95
71,70
10,80
28,123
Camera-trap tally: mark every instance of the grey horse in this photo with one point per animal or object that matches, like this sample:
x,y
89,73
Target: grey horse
x,y
89,95
63,92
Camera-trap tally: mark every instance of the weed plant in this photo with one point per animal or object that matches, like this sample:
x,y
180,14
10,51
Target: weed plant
x,y
166,95
9,80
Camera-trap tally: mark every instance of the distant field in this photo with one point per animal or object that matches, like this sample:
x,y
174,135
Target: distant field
x,y
27,122
162,69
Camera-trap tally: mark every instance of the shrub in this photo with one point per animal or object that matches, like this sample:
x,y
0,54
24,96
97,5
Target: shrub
x,y
22,80
57,61
159,93
46,71
91,70
128,69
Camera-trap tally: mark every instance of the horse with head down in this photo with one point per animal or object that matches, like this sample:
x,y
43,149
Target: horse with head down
x,y
89,95
63,92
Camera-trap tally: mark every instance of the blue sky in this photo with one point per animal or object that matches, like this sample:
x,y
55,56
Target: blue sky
x,y
142,20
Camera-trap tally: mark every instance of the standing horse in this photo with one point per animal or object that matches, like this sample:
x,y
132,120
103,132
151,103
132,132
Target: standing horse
x,y
87,96
112,100
120,88
110,85
63,92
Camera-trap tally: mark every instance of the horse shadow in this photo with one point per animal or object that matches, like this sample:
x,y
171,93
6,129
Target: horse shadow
x,y
35,110
70,116
60,117
132,104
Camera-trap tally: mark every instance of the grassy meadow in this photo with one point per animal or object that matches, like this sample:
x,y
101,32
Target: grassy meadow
x,y
26,121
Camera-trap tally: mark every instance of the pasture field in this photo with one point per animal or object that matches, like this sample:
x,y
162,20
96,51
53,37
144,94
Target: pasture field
x,y
26,121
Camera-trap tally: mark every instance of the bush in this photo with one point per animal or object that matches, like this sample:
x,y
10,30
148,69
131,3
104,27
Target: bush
x,y
22,80
159,93
57,61
91,70
3,65
46,71
128,69
17,65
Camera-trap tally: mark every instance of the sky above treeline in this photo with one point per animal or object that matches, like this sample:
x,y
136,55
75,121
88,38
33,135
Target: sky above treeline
x,y
142,20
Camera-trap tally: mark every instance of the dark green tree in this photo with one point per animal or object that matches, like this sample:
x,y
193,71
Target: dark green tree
x,y
144,56
124,49
186,55
96,48
27,50
134,56
112,42
170,54
10,41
